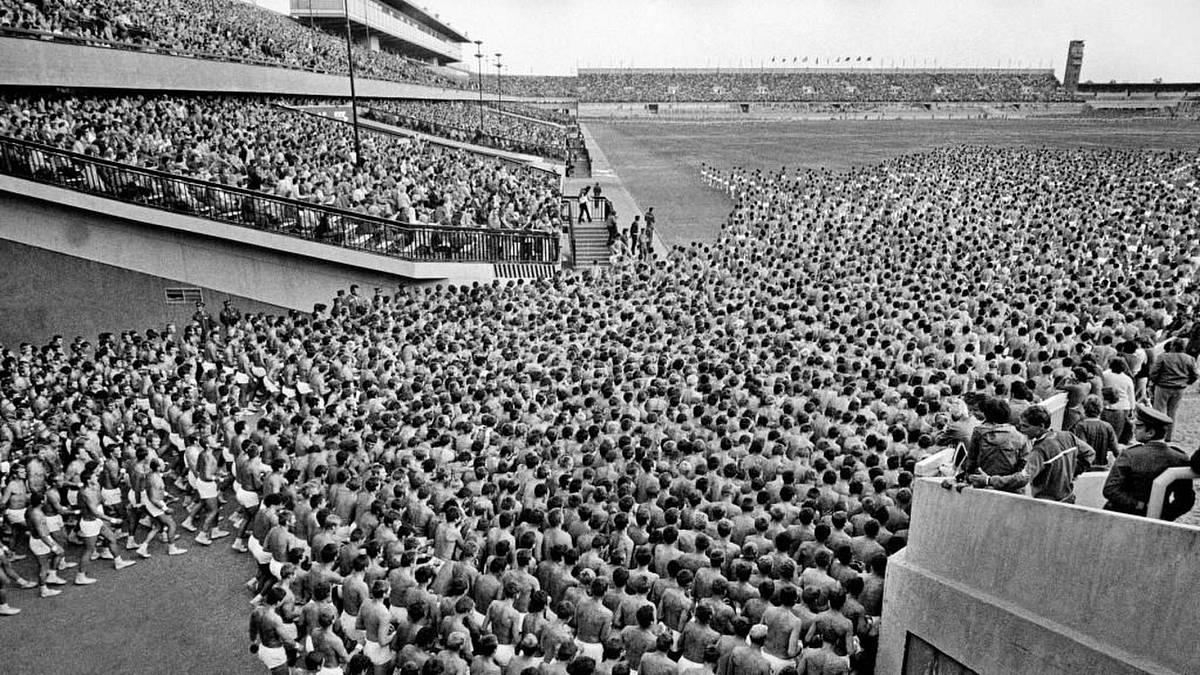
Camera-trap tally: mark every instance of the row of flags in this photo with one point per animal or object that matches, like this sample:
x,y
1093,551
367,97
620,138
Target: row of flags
x,y
817,59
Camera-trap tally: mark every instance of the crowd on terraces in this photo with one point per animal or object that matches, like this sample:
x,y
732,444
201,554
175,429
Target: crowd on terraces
x,y
461,121
800,85
221,29
697,465
256,144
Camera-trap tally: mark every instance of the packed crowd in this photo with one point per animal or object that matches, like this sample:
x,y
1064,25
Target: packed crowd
x,y
538,113
693,466
460,121
800,85
254,143
528,86
221,29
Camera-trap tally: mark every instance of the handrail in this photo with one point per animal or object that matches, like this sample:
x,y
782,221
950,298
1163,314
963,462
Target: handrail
x,y
270,213
1158,489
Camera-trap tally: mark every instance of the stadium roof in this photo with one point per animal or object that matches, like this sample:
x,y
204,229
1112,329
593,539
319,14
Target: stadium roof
x,y
425,16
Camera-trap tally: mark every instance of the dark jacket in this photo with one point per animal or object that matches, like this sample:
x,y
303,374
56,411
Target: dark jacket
x,y
1132,475
1000,451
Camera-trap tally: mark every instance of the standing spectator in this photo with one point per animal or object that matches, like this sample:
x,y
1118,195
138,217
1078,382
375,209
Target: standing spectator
x,y
1096,432
997,451
1171,374
1055,459
584,209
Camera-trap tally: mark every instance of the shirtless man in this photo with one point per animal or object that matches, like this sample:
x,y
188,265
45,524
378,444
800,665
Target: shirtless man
x,y
504,621
93,523
55,510
266,634
136,469
354,594
593,621
247,485
16,500
44,547
783,642
207,490
326,642
154,499
375,622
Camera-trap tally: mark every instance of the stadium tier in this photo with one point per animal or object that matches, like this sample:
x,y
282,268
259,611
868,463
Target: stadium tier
x,y
460,121
254,144
206,29
749,85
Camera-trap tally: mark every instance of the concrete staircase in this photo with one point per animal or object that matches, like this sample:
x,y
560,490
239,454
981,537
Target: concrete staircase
x,y
591,242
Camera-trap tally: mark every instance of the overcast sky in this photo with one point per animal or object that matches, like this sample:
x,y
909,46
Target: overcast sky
x,y
1126,39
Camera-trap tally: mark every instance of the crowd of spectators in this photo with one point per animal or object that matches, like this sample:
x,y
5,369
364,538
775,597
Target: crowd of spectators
x,y
253,143
528,86
221,29
460,121
697,465
539,113
801,85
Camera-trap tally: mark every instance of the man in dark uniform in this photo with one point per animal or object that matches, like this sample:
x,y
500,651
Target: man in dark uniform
x,y
1132,475
230,316
203,320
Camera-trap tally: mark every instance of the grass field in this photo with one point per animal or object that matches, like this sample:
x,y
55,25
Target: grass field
x,y
187,615
660,162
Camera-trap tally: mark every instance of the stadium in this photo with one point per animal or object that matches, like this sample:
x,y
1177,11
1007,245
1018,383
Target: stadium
x,y
333,342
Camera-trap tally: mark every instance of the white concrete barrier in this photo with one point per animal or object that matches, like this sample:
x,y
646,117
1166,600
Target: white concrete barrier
x,y
1158,490
1089,489
1056,405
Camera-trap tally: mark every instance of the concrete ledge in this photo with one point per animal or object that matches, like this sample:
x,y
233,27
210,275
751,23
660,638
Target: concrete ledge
x,y
42,63
1010,584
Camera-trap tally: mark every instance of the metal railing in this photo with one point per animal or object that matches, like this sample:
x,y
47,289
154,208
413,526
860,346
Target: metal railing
x,y
269,213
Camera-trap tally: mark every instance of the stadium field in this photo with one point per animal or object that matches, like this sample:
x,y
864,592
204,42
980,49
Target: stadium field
x,y
659,162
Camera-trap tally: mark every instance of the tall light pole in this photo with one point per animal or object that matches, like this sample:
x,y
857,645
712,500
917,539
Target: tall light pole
x,y
358,158
499,104
479,72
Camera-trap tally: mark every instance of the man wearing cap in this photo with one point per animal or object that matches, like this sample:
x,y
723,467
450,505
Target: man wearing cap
x,y
1132,475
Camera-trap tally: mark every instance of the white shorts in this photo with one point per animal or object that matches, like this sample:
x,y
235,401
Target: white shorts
x,y
153,510
261,555
276,568
38,547
206,488
272,657
110,496
15,516
245,498
504,654
592,649
777,664
378,654
191,480
90,528
348,622
54,523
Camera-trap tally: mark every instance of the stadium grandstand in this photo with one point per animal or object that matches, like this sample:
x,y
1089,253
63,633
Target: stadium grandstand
x,y
408,377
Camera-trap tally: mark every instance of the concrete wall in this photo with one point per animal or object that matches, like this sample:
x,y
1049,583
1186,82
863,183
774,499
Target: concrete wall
x,y
43,293
119,234
274,270
1009,584
37,63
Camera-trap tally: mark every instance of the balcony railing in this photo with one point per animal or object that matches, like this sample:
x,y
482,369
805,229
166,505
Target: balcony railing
x,y
268,213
